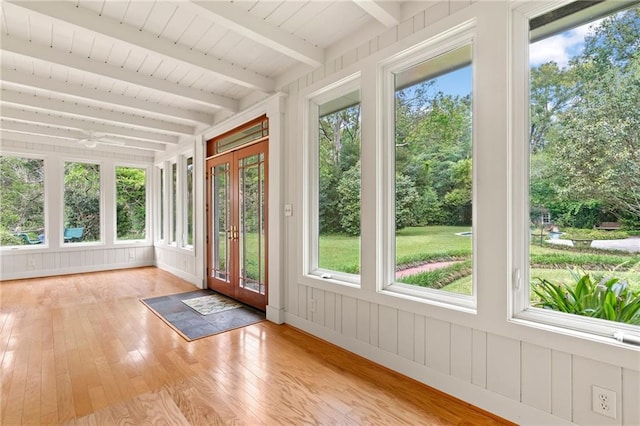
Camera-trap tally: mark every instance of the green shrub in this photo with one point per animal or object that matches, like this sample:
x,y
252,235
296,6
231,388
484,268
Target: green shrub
x,y
600,296
592,234
9,239
440,277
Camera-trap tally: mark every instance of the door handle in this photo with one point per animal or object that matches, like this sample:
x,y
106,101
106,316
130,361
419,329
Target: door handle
x,y
232,234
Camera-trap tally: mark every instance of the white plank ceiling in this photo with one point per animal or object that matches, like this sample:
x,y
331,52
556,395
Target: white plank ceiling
x,y
141,75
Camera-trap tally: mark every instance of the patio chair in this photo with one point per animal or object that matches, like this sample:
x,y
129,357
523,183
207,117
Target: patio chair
x,y
28,240
72,235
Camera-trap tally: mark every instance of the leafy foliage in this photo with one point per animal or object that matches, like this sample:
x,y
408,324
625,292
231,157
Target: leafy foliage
x,y
440,277
130,203
82,198
599,296
339,152
592,234
585,128
349,202
433,150
21,198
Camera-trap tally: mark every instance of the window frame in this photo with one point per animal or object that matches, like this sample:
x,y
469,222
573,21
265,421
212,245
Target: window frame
x,y
442,43
311,181
519,293
173,196
147,204
160,203
182,186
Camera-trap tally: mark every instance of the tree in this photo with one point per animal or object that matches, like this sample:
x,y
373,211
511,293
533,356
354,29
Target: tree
x,y
21,198
406,200
82,198
339,151
599,145
130,202
433,137
349,200
552,91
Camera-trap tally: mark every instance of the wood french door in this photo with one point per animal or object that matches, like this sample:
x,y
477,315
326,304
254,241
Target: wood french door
x,y
237,224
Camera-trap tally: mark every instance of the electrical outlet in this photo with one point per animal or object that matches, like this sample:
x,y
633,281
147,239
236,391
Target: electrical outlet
x,y
313,305
603,401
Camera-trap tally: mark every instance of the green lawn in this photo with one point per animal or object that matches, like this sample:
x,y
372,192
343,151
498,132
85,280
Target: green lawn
x,y
437,243
414,245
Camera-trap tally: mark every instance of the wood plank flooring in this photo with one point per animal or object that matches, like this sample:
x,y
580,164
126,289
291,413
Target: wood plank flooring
x,y
82,349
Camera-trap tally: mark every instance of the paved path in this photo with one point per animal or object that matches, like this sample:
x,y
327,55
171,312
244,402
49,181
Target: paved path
x,y
628,244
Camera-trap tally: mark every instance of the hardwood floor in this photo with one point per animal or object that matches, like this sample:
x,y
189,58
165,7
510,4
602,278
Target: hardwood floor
x,y
82,349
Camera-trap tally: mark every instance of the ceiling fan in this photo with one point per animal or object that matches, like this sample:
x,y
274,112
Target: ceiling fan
x,y
94,138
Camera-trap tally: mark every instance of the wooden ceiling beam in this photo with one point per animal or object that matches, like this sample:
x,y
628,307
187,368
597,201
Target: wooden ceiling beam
x,y
387,13
46,118
238,20
105,26
14,77
64,59
85,112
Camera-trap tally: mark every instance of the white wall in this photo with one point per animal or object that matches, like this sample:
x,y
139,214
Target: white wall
x,y
525,372
184,262
53,258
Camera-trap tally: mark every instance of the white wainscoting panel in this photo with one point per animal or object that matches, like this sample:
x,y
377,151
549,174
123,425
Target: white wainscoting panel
x,y
536,378
561,384
503,366
461,352
585,374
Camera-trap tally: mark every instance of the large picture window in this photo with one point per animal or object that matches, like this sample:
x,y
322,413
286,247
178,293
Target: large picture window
x,y
335,184
131,203
433,178
584,167
21,201
81,202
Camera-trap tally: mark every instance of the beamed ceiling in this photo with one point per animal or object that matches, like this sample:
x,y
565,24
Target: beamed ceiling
x,y
140,76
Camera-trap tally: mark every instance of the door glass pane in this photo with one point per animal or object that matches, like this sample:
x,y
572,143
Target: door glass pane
x,y
251,223
221,204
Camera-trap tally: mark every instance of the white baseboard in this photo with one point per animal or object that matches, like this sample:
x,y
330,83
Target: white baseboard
x,y
38,273
193,279
276,315
480,397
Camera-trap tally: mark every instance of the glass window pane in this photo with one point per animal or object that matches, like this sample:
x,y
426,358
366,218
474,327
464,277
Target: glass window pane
x,y
81,202
584,156
174,201
433,173
131,203
339,184
161,204
189,207
21,201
